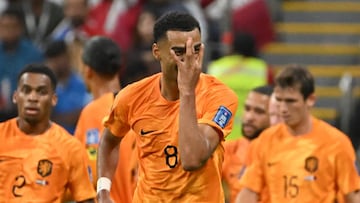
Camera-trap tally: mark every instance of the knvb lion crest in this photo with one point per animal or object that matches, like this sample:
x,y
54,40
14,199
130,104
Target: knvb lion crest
x,y
44,167
311,164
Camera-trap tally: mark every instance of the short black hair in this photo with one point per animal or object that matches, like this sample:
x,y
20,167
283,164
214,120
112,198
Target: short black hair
x,y
265,89
102,55
55,48
174,21
296,75
42,69
14,11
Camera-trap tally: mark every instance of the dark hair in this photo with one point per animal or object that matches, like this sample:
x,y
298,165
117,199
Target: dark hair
x,y
294,75
55,48
42,69
102,55
265,89
244,44
175,21
13,11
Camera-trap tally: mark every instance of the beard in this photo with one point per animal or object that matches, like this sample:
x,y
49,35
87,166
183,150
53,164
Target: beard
x,y
253,135
77,21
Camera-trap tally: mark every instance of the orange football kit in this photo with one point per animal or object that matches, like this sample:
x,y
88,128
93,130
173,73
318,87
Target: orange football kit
x,y
308,168
88,131
141,107
40,168
235,159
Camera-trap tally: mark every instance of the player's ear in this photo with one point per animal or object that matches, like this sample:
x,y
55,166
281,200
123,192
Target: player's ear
x,y
156,51
310,101
54,100
14,97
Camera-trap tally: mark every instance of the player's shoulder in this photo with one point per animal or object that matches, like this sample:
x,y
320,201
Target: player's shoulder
x,y
330,133
62,138
211,83
272,132
103,102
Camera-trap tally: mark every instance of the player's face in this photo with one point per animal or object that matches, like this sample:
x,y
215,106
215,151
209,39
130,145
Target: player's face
x,y
35,98
255,117
293,108
274,114
176,41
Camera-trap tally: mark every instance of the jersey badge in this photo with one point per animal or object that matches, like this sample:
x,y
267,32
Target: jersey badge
x,y
92,136
311,164
44,167
310,178
222,116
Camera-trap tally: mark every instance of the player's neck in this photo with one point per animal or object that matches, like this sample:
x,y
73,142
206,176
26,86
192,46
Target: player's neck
x,y
302,128
33,129
169,89
103,86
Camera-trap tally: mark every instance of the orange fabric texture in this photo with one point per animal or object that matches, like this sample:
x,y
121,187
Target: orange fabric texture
x,y
235,158
308,168
40,168
88,131
141,107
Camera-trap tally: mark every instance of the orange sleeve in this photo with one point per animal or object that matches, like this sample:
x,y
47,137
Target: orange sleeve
x,y
254,178
80,183
347,177
118,119
220,112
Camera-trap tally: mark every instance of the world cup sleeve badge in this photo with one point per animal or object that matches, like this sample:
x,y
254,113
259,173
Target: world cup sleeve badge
x,y
222,116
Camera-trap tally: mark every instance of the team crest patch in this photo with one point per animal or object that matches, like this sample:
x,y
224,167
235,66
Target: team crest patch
x,y
44,167
92,136
222,116
311,164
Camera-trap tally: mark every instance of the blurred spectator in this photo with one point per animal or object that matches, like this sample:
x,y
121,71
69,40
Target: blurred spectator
x,y
71,90
74,29
126,23
41,17
241,70
140,61
15,52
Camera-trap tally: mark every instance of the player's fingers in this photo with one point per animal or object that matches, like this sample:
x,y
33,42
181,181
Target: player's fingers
x,y
201,54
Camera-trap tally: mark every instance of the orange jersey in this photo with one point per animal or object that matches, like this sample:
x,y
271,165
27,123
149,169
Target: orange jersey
x,y
40,168
141,107
308,168
88,131
235,159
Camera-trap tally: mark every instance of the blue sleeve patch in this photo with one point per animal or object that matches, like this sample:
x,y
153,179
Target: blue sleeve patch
x,y
222,116
92,136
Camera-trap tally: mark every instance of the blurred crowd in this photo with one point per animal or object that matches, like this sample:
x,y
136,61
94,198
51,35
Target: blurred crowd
x,y
54,32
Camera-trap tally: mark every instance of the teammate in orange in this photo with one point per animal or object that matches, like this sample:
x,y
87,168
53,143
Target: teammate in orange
x,y
255,119
39,160
181,117
102,60
302,159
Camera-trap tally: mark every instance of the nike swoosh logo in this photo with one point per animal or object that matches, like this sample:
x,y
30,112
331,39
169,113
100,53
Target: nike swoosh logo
x,y
271,164
142,132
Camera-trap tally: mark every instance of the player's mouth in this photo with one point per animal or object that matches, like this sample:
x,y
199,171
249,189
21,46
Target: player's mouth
x,y
31,110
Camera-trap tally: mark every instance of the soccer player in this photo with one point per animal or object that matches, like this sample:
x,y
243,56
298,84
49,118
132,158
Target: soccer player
x,y
102,61
302,159
180,116
39,160
255,118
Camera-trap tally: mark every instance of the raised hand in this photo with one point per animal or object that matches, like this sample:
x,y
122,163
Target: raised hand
x,y
189,66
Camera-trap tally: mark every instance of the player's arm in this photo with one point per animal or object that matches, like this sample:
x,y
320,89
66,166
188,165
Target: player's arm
x,y
247,196
353,197
196,141
107,159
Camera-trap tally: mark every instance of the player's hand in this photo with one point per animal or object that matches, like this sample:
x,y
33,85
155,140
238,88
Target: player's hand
x,y
189,66
104,197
